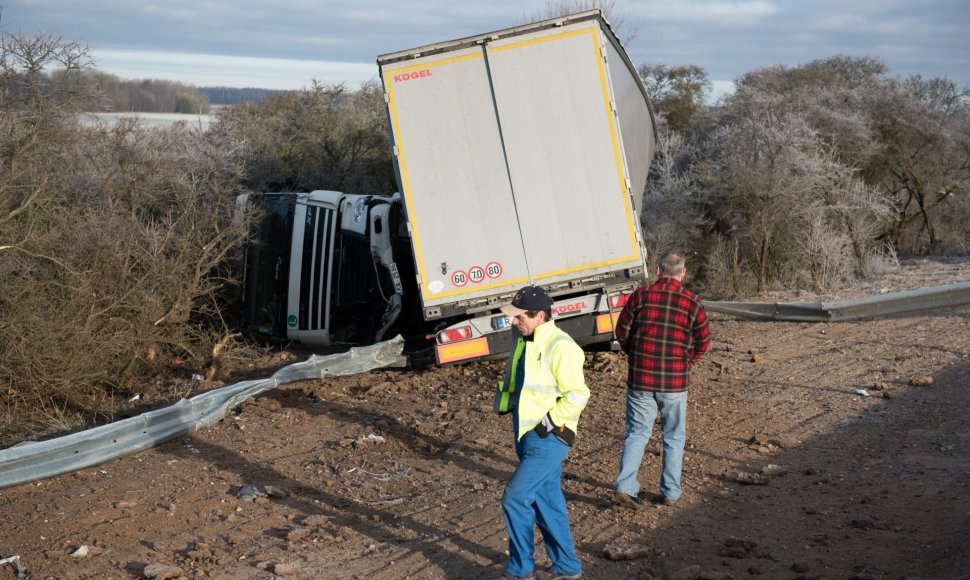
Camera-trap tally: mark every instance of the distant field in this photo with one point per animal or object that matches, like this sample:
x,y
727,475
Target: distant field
x,y
150,119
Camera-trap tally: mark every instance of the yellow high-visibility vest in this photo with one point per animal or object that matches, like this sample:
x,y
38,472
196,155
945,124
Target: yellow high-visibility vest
x,y
554,381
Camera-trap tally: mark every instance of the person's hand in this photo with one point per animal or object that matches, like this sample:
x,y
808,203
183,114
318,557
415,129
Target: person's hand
x,y
548,424
545,427
562,433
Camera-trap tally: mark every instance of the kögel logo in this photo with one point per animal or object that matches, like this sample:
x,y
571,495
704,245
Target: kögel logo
x,y
576,306
425,72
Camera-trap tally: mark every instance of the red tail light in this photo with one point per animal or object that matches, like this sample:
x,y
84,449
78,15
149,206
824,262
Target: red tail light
x,y
455,334
619,301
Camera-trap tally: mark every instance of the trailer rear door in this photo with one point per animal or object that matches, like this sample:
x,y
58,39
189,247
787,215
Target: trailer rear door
x,y
511,163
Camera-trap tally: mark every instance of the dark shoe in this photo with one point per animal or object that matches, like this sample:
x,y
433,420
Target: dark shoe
x,y
553,575
661,501
508,576
625,500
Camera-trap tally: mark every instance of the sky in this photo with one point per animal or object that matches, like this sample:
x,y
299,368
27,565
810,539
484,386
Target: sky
x,y
288,44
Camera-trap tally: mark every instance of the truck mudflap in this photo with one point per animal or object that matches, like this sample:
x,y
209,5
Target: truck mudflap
x,y
589,319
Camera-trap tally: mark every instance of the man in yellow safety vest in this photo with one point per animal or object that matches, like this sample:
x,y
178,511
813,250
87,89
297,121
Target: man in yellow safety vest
x,y
545,391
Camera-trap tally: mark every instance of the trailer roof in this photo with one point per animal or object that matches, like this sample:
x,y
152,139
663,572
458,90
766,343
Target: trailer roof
x,y
449,45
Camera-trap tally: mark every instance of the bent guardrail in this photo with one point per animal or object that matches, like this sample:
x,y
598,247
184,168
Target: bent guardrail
x,y
31,461
846,310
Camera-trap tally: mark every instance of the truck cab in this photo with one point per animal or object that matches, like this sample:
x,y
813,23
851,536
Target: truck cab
x,y
320,268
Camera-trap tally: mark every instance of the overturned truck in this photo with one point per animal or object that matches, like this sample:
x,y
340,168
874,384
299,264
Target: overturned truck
x,y
521,157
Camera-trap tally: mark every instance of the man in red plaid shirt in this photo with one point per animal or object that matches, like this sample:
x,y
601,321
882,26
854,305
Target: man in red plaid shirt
x,y
663,330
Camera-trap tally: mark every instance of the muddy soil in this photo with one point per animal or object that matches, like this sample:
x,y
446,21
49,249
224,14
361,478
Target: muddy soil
x,y
814,451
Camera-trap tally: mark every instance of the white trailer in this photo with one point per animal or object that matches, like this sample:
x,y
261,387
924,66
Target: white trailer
x,y
522,156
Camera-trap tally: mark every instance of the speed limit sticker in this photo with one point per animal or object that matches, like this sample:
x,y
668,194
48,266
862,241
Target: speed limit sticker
x,y
476,274
493,269
459,278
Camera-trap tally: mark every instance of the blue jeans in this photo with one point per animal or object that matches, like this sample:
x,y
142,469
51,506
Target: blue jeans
x,y
641,411
533,497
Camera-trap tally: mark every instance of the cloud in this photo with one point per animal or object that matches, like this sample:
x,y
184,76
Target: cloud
x,y
730,38
726,37
716,14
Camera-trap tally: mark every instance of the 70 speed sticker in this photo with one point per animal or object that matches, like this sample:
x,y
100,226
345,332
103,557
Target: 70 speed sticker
x,y
476,274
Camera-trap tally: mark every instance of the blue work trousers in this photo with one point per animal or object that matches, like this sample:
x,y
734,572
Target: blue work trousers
x,y
533,497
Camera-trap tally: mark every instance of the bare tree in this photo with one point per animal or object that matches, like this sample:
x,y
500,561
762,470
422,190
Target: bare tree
x,y
795,208
818,174
325,137
924,163
907,137
726,274
758,166
113,240
844,221
678,92
625,29
36,111
673,206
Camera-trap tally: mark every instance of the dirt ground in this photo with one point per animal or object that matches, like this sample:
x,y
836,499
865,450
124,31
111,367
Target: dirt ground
x,y
790,470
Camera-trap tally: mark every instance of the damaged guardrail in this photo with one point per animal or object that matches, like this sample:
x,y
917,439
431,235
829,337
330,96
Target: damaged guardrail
x,y
15,565
854,309
30,461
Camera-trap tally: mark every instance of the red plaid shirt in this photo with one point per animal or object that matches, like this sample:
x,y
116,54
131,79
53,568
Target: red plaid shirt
x,y
663,329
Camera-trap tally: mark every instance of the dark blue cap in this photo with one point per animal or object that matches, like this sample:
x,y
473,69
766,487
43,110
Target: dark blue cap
x,y
529,298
